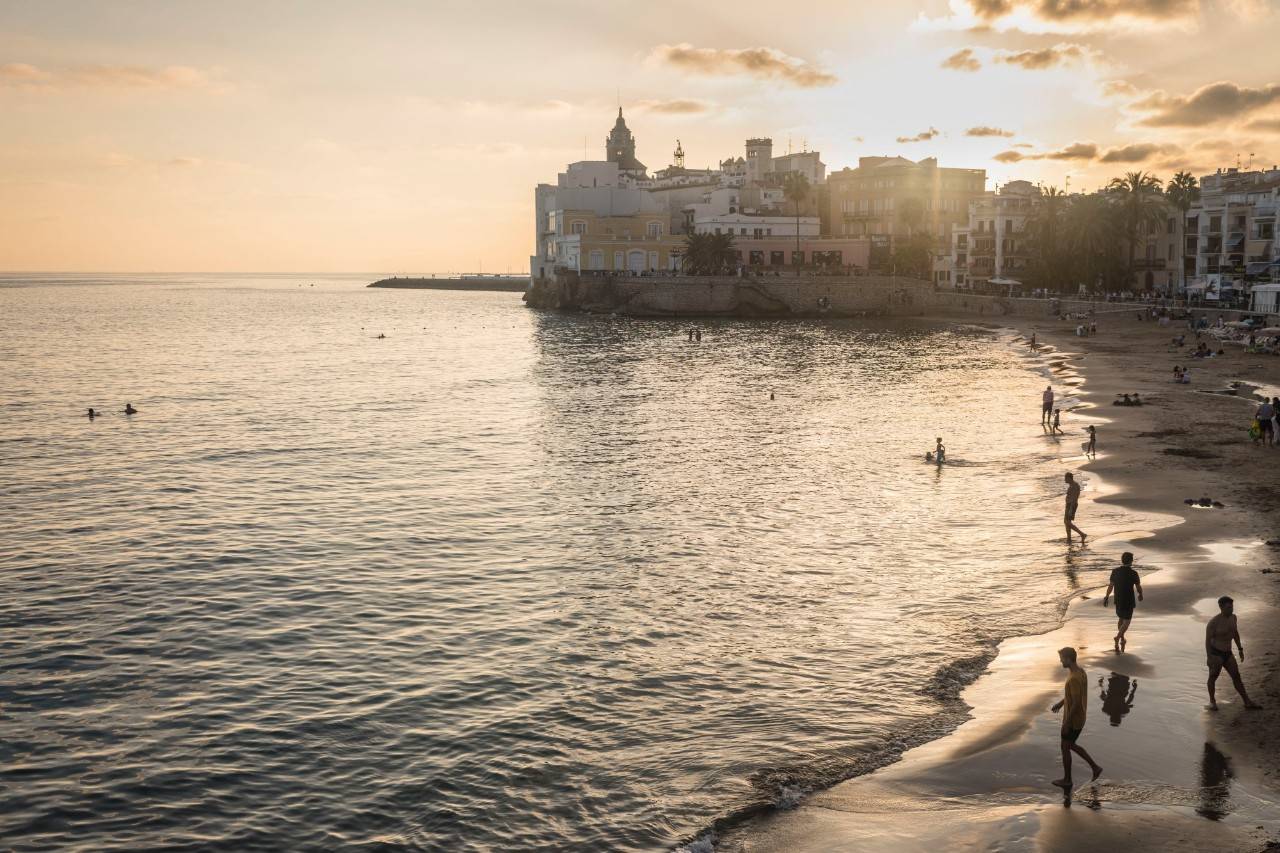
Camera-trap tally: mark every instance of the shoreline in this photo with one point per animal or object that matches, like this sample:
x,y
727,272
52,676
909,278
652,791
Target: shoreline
x,y
981,781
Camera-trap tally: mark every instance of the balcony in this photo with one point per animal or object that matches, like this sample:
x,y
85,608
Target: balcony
x,y
1148,264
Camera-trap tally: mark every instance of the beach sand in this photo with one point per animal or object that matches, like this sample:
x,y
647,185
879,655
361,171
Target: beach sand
x,y
1176,776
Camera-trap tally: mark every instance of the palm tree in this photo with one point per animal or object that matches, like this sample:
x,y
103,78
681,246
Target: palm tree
x,y
1182,192
1046,240
1090,230
795,187
709,254
1141,205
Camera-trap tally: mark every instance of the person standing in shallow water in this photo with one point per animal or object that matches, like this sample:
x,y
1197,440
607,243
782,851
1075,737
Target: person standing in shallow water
x,y
1218,636
1073,503
1124,581
1046,405
1091,449
1074,705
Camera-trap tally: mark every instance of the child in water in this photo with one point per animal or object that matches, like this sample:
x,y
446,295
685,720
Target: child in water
x,y
1057,420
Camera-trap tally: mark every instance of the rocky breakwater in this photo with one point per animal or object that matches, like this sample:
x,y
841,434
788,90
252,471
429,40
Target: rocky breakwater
x,y
731,296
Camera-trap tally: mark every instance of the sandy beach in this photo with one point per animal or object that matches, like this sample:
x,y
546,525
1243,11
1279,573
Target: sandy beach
x,y
1176,775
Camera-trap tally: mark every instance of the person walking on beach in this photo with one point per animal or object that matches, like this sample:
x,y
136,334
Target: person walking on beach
x,y
1074,704
1057,422
1218,636
1091,448
1264,414
1033,340
1046,404
1073,503
1124,581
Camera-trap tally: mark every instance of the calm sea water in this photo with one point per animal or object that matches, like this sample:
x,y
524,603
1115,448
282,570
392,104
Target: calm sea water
x,y
501,580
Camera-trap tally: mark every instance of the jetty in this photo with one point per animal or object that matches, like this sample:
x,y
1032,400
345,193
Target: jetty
x,y
503,283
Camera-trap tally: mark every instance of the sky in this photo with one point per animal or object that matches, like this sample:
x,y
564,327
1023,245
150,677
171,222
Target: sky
x,y
407,137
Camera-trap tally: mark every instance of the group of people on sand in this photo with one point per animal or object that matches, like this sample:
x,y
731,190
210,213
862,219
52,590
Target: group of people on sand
x,y
1133,399
128,410
1125,587
1265,429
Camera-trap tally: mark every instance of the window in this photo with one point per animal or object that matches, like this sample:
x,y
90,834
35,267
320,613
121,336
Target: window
x,y
1170,249
717,230
578,226
655,230
618,262
742,232
1168,226
757,233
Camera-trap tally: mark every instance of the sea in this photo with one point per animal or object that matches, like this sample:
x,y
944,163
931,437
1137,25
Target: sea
x,y
429,570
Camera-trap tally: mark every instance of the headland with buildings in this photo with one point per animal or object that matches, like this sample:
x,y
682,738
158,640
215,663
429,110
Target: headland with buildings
x,y
893,223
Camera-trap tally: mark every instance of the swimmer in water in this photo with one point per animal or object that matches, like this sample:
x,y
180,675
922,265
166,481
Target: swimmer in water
x,y
92,413
928,456
129,409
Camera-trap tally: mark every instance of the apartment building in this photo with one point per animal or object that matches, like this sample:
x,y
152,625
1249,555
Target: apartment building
x,y
1230,233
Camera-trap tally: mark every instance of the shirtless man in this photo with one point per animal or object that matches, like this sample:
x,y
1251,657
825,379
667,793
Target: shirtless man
x,y
1073,503
1222,629
1046,405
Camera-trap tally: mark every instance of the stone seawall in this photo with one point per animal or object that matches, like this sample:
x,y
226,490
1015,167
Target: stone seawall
x,y
731,296
692,296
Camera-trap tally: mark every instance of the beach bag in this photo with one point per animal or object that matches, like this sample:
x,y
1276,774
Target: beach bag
x,y
1255,431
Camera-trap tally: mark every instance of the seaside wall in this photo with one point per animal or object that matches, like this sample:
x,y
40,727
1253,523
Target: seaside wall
x,y
806,296
730,296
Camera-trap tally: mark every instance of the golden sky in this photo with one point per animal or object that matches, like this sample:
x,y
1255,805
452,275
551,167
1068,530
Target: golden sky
x,y
408,136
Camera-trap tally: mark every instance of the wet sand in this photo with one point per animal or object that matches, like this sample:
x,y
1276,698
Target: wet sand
x,y
1176,776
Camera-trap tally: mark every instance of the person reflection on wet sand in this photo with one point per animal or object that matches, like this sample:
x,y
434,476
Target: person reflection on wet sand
x,y
1117,696
1215,784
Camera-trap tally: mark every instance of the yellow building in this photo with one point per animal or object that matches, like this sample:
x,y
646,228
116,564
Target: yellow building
x,y
584,240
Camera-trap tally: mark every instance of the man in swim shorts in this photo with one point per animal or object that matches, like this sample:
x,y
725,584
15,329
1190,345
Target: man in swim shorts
x,y
1046,405
1075,699
1218,636
1124,580
1073,503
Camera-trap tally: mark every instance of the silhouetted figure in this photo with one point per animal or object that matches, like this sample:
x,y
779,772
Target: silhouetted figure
x,y
1124,581
1073,503
1215,784
691,336
770,395
129,409
940,452
1117,696
1091,449
1033,340
1046,404
1218,636
1075,700
1057,422
92,413
697,335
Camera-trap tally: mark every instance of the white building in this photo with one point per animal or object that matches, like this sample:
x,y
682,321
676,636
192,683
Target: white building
x,y
1230,240
992,247
756,227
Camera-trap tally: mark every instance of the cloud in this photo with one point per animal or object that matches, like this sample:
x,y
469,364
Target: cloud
x,y
676,106
185,161
1048,57
1122,89
1060,16
764,63
857,139
1137,153
1074,151
984,130
1266,125
1215,102
119,77
962,60
923,136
